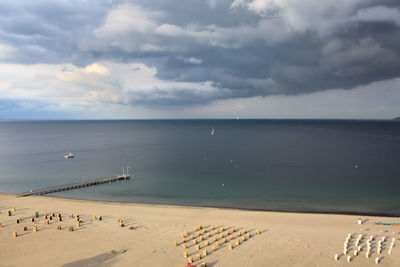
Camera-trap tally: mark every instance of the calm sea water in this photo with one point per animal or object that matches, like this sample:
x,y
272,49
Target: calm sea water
x,y
287,165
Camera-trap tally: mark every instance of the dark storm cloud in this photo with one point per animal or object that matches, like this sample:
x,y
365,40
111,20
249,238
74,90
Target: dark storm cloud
x,y
245,50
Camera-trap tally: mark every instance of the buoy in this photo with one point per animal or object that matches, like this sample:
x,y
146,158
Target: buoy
x,y
377,260
176,243
197,247
15,234
34,228
336,257
185,254
348,258
205,252
214,248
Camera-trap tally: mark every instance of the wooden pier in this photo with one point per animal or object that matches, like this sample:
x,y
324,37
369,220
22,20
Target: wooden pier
x,y
78,185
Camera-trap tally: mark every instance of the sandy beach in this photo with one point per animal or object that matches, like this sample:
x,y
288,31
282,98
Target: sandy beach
x,y
285,239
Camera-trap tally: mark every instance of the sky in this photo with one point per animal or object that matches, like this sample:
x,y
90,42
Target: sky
x,y
164,59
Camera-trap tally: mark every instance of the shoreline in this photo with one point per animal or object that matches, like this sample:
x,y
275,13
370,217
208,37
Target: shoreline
x,y
285,238
350,213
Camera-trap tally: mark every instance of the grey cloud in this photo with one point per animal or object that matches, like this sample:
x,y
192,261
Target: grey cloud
x,y
243,53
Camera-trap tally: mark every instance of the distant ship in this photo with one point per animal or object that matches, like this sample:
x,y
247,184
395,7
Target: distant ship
x,y
69,156
212,131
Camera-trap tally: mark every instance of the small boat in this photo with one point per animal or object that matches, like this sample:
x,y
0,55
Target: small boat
x,y
69,156
212,131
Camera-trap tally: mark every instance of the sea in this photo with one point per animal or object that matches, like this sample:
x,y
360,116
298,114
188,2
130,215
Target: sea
x,y
319,166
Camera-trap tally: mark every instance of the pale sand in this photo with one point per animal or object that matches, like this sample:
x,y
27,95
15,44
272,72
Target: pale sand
x,y
287,239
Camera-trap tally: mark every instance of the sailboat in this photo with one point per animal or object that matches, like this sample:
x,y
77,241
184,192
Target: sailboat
x,y
212,131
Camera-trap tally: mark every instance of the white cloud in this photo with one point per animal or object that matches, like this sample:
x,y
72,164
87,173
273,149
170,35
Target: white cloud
x,y
193,60
128,18
6,51
303,15
99,82
97,68
133,28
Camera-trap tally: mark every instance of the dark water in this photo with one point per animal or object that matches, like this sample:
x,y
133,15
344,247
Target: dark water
x,y
291,165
